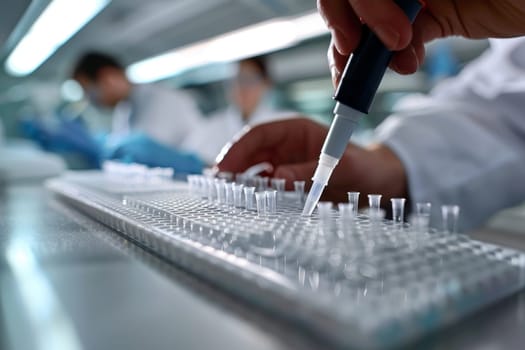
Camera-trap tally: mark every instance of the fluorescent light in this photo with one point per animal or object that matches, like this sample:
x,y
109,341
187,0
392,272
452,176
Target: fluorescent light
x,y
246,42
57,24
310,26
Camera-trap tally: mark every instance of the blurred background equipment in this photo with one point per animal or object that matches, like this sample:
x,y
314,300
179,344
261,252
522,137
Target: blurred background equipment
x,y
197,53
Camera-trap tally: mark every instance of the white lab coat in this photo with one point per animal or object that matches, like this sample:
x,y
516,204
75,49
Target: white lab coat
x,y
215,132
465,142
167,116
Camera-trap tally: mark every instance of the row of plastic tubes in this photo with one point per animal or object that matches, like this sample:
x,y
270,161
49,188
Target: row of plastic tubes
x,y
419,220
263,198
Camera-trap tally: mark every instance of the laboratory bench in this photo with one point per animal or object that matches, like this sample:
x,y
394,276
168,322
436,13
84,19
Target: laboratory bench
x,y
68,282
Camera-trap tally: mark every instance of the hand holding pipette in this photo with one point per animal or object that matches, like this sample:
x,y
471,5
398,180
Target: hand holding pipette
x,y
357,88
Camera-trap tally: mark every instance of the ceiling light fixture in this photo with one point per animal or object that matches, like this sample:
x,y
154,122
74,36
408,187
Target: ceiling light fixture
x,y
246,42
57,24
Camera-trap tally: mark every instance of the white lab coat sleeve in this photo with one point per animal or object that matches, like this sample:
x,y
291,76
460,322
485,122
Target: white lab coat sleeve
x,y
453,157
221,128
210,136
465,143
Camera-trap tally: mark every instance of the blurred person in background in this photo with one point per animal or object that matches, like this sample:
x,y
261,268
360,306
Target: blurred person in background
x,y
250,94
150,123
64,131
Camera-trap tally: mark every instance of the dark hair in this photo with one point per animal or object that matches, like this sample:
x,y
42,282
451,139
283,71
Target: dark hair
x,y
90,63
260,63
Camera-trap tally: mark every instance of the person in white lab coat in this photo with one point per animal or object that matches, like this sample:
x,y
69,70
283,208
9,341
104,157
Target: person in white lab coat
x,y
464,143
148,119
166,115
250,93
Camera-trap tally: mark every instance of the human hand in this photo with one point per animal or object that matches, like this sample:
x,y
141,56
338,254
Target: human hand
x,y
73,134
140,148
293,147
440,18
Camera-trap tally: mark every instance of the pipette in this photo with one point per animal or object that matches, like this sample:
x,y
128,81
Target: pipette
x,y
361,78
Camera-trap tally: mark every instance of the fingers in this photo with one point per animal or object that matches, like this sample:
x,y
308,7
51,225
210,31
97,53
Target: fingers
x,y
386,20
296,172
407,61
251,148
337,63
343,23
427,27
281,142
410,59
346,33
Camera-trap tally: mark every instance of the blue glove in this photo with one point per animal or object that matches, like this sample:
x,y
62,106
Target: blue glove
x,y
35,130
140,148
66,136
72,134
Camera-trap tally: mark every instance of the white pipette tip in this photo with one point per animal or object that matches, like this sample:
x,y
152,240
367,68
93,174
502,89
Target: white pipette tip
x,y
313,198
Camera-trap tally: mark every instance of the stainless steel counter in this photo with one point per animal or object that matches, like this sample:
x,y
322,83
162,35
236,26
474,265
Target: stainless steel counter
x,y
67,282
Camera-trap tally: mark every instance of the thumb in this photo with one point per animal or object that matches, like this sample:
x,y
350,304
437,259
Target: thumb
x,y
296,172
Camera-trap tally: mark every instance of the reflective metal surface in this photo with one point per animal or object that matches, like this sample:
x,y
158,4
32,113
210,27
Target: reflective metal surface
x,y
69,282
85,287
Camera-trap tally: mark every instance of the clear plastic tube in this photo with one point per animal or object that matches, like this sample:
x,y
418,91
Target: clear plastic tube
x,y
374,201
325,210
450,214
192,184
422,216
248,198
220,188
203,186
271,201
261,183
260,199
423,208
326,218
240,179
353,198
299,191
265,182
279,185
346,212
419,223
376,216
210,189
229,194
249,181
398,210
237,195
